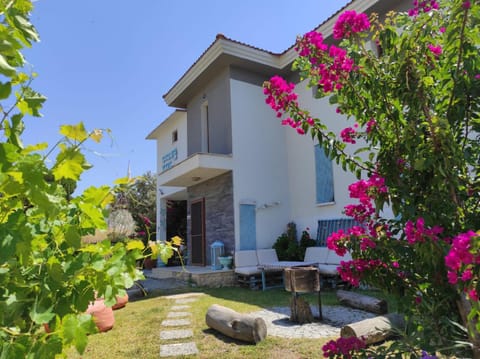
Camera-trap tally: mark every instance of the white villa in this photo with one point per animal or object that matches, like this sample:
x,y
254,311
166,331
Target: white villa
x,y
243,175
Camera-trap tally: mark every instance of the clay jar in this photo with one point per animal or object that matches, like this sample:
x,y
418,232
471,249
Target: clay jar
x,y
102,315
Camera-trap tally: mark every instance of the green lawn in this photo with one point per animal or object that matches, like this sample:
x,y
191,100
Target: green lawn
x,y
137,328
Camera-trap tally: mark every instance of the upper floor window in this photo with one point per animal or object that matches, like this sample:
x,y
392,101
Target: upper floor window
x,y
174,136
324,177
205,127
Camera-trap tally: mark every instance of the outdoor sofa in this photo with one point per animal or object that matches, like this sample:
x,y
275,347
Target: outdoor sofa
x,y
261,266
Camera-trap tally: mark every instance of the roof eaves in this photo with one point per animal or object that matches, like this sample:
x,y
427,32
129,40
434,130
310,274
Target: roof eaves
x,y
221,45
152,134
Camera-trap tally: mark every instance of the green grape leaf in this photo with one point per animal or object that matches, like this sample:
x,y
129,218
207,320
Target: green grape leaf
x,y
41,316
75,330
165,252
31,103
69,164
72,237
5,68
74,132
5,90
135,244
93,213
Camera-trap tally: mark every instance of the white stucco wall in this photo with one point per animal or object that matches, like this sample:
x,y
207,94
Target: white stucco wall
x,y
177,121
301,167
260,172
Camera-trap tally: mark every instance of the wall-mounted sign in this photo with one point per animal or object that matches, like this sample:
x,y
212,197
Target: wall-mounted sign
x,y
169,159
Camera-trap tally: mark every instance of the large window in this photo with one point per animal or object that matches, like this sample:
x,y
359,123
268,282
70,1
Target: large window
x,y
324,177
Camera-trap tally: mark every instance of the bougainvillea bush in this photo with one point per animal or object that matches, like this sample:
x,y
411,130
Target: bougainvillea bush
x,y
410,87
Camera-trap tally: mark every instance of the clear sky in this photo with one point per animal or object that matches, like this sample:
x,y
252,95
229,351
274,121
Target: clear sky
x,y
108,63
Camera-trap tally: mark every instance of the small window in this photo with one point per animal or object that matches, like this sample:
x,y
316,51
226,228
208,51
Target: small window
x,y
174,136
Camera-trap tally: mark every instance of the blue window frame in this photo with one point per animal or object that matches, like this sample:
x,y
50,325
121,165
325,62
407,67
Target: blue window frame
x,y
324,176
248,227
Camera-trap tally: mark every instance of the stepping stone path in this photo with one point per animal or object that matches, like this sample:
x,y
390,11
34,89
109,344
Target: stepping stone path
x,y
177,326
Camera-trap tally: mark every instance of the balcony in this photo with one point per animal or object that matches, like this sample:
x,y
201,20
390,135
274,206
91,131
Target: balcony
x,y
196,169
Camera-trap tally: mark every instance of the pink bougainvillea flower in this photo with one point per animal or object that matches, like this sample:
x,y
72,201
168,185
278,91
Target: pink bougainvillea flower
x,y
350,23
473,295
422,6
466,5
459,253
417,232
467,275
371,125
330,65
348,135
452,277
280,94
336,242
344,347
436,50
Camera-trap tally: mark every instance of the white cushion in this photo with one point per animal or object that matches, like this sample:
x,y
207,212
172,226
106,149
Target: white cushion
x,y
328,269
316,254
251,270
246,258
334,258
267,256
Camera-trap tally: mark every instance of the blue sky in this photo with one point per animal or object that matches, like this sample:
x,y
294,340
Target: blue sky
x,y
108,63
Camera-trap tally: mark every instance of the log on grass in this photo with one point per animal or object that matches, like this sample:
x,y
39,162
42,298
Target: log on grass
x,y
236,325
376,329
355,300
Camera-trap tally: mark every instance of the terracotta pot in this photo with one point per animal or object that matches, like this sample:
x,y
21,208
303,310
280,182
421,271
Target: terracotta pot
x,y
149,263
102,315
121,302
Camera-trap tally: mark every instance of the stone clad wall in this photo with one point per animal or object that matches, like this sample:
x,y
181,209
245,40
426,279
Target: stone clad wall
x,y
219,221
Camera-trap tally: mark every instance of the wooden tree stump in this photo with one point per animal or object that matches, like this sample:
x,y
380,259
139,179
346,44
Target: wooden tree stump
x,y
300,311
376,329
302,280
355,300
236,325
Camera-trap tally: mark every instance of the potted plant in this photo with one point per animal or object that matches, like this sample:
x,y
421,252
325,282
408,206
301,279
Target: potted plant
x,y
226,262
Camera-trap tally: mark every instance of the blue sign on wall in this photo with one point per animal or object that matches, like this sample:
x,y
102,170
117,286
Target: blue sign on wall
x,y
169,159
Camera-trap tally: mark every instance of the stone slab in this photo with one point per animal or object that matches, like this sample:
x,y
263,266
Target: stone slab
x,y
180,307
185,300
176,334
178,314
184,295
176,322
167,350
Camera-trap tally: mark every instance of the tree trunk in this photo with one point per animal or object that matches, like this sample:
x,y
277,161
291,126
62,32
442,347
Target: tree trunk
x,y
236,325
370,304
374,330
464,308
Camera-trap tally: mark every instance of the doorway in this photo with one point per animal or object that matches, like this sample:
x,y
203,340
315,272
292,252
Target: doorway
x,y
197,215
